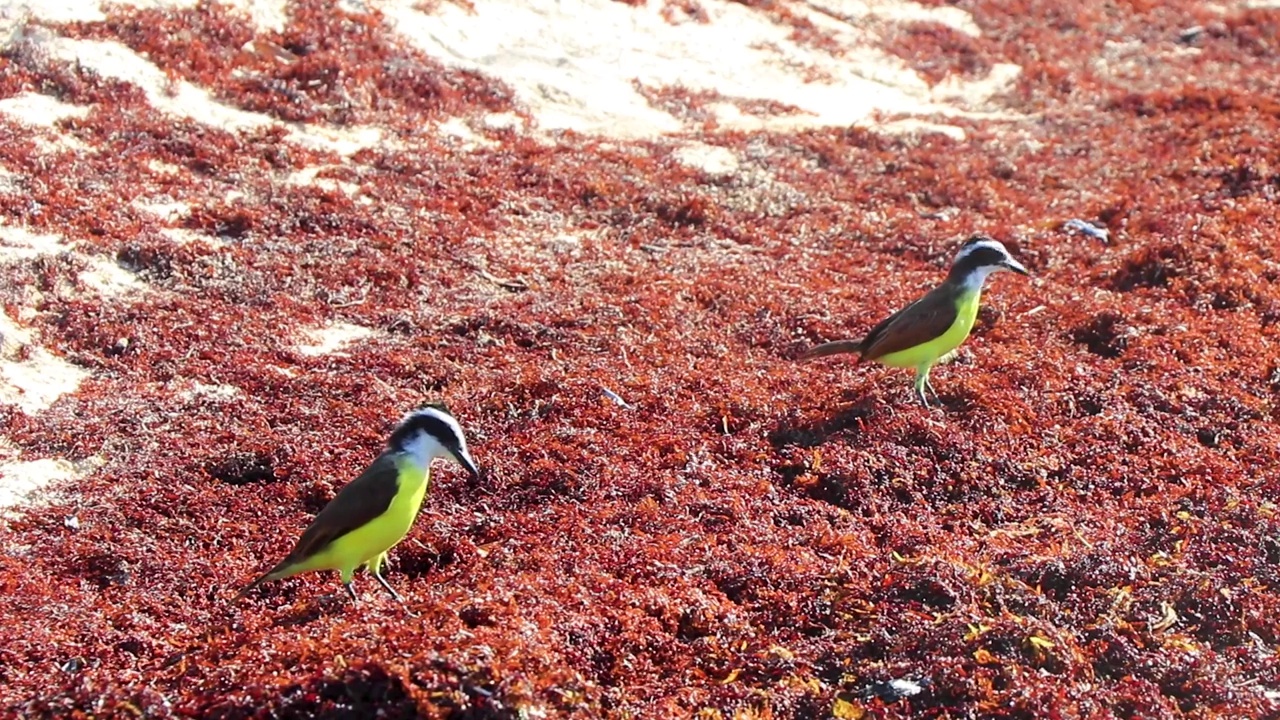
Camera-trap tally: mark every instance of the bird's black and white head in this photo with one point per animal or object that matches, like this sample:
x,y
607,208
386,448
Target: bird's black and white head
x,y
979,257
431,432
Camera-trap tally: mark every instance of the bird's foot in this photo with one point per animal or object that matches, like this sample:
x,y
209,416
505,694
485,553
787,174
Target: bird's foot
x,y
924,399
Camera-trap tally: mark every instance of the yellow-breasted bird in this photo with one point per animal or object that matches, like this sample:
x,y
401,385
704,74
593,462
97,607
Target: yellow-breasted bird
x,y
374,512
926,331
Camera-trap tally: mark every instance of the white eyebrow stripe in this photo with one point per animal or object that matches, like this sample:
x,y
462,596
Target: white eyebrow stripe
x,y
457,429
444,417
989,244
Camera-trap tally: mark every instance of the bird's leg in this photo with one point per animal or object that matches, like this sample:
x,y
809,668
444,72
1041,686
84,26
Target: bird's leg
x,y
351,591
382,581
922,379
929,386
374,566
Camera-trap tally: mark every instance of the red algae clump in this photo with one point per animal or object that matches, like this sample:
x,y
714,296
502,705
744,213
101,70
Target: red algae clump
x,y
675,519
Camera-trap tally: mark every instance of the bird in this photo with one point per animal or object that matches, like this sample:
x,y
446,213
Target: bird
x,y
374,512
930,329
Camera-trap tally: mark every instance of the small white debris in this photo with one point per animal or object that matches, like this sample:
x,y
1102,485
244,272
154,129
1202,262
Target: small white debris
x,y
1088,228
1191,33
906,688
615,398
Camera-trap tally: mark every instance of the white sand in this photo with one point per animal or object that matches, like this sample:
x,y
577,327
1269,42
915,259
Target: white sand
x,y
182,99
103,275
331,338
574,63
30,376
40,110
33,378
22,481
311,176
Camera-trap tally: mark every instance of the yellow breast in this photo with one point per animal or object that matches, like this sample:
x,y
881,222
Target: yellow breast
x,y
390,528
351,551
926,354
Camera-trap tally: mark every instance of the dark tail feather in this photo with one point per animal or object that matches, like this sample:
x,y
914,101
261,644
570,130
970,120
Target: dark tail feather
x,y
272,574
832,348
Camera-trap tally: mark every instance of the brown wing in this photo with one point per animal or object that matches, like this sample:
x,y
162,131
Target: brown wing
x,y
362,500
919,322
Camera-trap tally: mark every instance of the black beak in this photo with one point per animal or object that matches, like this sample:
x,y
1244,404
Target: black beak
x,y
464,459
1016,266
